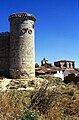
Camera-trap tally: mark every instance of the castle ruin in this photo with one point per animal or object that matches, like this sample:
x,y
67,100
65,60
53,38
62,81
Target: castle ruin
x,y
17,47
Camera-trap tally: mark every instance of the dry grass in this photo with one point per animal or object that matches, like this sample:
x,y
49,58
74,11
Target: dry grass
x,y
60,102
13,103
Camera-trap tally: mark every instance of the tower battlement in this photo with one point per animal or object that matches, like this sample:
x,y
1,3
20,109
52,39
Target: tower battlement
x,y
2,34
22,15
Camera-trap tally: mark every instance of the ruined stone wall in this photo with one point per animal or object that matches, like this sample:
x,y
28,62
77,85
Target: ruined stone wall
x,y
4,53
21,56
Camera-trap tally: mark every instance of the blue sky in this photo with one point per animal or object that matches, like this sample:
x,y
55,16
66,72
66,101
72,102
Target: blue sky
x,y
56,27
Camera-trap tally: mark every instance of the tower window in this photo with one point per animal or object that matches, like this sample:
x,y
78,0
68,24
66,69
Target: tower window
x,y
30,31
23,31
33,26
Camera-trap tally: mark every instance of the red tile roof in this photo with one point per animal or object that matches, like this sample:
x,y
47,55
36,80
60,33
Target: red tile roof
x,y
45,69
67,72
64,61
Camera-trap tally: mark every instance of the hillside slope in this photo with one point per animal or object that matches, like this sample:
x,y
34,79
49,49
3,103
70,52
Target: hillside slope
x,y
51,99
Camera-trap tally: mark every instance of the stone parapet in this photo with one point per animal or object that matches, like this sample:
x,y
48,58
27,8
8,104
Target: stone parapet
x,y
22,15
2,34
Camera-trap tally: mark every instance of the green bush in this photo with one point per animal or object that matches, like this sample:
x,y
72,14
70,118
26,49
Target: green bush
x,y
27,115
71,92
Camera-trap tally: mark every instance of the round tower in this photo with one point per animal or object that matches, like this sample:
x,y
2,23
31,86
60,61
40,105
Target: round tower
x,y
21,56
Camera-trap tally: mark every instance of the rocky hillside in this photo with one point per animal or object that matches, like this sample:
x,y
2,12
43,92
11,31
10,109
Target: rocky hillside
x,y
40,99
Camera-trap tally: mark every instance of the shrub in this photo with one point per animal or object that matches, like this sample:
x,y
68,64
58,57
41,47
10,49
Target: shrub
x,y
42,99
27,115
71,92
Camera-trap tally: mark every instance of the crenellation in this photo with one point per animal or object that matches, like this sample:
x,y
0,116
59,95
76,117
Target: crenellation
x,y
22,15
4,33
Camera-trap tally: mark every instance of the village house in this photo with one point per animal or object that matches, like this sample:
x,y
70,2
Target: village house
x,y
61,69
65,63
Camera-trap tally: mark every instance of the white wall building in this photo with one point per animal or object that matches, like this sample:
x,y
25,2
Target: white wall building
x,y
59,74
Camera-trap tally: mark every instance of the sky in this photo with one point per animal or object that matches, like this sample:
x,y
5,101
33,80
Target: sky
x,y
56,26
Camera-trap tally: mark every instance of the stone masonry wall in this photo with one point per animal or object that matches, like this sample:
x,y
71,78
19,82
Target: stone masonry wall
x,y
4,53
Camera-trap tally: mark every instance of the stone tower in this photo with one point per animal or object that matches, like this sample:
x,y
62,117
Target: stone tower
x,y
21,55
